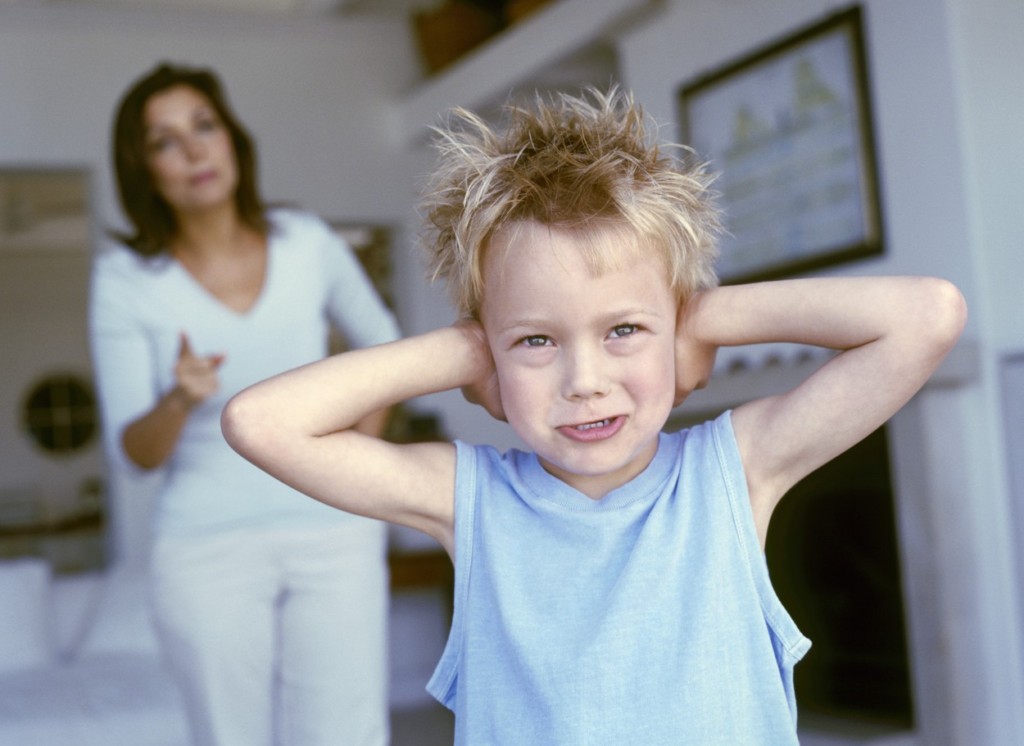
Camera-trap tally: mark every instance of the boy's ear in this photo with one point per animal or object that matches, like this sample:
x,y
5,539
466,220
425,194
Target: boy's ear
x,y
694,364
488,396
695,359
484,391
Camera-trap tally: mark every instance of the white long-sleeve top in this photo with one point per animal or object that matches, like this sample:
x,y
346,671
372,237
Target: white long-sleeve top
x,y
138,308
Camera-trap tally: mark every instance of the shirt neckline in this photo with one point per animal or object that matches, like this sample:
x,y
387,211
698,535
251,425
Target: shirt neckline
x,y
211,300
645,486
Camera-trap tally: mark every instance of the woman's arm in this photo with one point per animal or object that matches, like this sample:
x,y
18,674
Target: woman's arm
x,y
892,332
151,439
300,427
141,426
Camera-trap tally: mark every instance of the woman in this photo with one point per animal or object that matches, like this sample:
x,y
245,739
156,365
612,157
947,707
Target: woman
x,y
210,293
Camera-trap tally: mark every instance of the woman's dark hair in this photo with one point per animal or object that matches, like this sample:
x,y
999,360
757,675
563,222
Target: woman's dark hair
x,y
151,216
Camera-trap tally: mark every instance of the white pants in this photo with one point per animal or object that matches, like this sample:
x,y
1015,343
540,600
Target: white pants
x,y
278,636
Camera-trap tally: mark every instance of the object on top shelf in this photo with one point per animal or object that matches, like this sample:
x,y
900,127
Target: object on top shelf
x,y
447,33
516,10
458,26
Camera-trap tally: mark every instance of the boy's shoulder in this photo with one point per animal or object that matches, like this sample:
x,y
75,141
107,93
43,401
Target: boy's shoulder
x,y
490,457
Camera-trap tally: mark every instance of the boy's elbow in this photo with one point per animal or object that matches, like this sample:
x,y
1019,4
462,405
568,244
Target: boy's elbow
x,y
946,313
240,422
952,310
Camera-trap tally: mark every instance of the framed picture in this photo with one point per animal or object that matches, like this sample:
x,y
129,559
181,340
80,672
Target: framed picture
x,y
788,131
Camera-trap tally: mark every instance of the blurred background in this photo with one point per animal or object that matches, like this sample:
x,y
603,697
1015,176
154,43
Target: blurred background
x,y
923,642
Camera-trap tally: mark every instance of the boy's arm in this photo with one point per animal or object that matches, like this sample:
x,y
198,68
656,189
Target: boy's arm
x,y
300,427
892,333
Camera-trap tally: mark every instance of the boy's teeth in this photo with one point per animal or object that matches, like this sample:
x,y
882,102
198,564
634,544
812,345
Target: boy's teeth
x,y
590,425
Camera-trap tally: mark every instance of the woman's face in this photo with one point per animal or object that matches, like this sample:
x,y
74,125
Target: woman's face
x,y
189,151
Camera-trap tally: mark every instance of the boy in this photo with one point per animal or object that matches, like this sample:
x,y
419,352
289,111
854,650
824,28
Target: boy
x,y
610,583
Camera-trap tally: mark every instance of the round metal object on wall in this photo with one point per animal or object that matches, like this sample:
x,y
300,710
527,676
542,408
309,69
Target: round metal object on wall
x,y
59,413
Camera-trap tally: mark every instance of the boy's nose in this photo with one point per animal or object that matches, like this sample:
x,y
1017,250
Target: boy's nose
x,y
585,374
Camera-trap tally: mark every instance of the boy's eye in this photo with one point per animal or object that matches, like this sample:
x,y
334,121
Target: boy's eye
x,y
624,330
535,340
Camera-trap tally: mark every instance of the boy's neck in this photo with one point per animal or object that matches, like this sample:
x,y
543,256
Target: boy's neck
x,y
597,486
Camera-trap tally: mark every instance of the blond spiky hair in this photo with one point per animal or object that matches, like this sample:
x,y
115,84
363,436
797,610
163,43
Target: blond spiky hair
x,y
580,163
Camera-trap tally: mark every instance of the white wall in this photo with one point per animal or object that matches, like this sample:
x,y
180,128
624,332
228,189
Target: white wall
x,y
986,52
987,59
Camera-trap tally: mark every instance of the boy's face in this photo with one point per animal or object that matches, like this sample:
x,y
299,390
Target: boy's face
x,y
585,363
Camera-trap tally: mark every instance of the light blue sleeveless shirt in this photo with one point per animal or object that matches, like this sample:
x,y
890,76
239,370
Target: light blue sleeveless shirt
x,y
646,617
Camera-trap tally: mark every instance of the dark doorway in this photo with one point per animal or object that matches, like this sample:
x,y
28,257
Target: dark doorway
x,y
833,557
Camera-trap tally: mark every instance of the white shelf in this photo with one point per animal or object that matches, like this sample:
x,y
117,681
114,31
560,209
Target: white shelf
x,y
520,54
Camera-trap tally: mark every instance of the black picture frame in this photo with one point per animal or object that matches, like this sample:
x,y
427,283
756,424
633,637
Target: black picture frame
x,y
788,129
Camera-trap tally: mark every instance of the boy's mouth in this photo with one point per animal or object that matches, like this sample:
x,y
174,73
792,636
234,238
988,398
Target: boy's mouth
x,y
588,432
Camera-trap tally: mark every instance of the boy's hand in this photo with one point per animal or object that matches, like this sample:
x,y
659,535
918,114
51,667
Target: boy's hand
x,y
484,390
694,359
